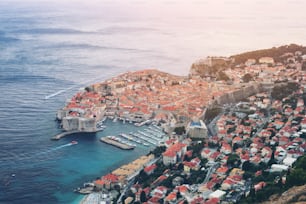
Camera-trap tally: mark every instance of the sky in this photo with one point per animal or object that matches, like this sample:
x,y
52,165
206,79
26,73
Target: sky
x,y
286,9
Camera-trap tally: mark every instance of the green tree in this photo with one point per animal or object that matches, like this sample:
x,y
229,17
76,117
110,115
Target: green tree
x,y
304,66
158,151
180,130
143,197
296,178
233,160
247,77
247,166
301,163
88,89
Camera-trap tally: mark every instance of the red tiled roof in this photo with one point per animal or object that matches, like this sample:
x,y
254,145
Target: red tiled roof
x,y
169,154
171,196
99,182
110,177
150,168
212,201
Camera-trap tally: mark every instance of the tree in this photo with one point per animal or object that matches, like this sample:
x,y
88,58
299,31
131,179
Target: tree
x,y
304,66
222,76
233,160
247,175
272,160
180,166
301,163
247,166
143,197
158,151
298,175
280,92
88,89
178,195
180,130
247,77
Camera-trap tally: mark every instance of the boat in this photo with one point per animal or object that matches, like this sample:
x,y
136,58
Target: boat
x,y
74,142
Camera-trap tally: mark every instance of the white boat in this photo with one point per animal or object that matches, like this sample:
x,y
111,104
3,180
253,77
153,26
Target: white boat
x,y
74,142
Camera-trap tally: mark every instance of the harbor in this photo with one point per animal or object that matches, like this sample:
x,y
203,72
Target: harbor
x,y
150,136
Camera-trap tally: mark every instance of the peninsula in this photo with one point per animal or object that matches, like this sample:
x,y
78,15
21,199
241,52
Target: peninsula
x,y
246,151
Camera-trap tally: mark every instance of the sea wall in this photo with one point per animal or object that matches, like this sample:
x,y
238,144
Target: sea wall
x,y
78,123
61,114
240,94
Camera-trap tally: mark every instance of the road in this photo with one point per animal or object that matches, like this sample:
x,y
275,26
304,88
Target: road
x,y
210,171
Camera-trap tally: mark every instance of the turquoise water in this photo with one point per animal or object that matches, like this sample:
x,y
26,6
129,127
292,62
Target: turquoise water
x,y
92,158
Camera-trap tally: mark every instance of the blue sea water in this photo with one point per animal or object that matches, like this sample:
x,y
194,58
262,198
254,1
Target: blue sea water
x,y
38,61
49,50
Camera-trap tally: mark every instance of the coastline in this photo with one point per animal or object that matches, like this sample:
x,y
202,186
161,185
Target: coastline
x,y
134,106
80,199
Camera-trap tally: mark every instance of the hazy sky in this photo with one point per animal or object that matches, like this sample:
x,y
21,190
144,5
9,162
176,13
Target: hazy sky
x,y
187,29
287,9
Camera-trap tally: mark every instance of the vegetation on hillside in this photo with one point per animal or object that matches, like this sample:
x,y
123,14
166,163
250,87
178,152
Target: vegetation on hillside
x,y
295,177
222,76
280,92
247,77
275,52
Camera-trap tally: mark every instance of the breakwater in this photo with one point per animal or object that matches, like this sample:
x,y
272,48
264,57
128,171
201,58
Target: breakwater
x,y
63,134
116,143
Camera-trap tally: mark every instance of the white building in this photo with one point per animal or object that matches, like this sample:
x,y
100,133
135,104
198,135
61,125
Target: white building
x,y
217,194
266,60
279,168
197,129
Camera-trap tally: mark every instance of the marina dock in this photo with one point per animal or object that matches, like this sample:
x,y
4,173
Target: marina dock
x,y
116,143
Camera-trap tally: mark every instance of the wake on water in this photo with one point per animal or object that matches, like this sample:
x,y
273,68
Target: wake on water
x,y
59,92
24,160
56,148
71,87
13,159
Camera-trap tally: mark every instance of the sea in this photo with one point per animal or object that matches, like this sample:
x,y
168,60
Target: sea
x,y
49,50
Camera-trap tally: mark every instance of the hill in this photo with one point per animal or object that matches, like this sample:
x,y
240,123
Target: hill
x,y
276,52
296,194
214,67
